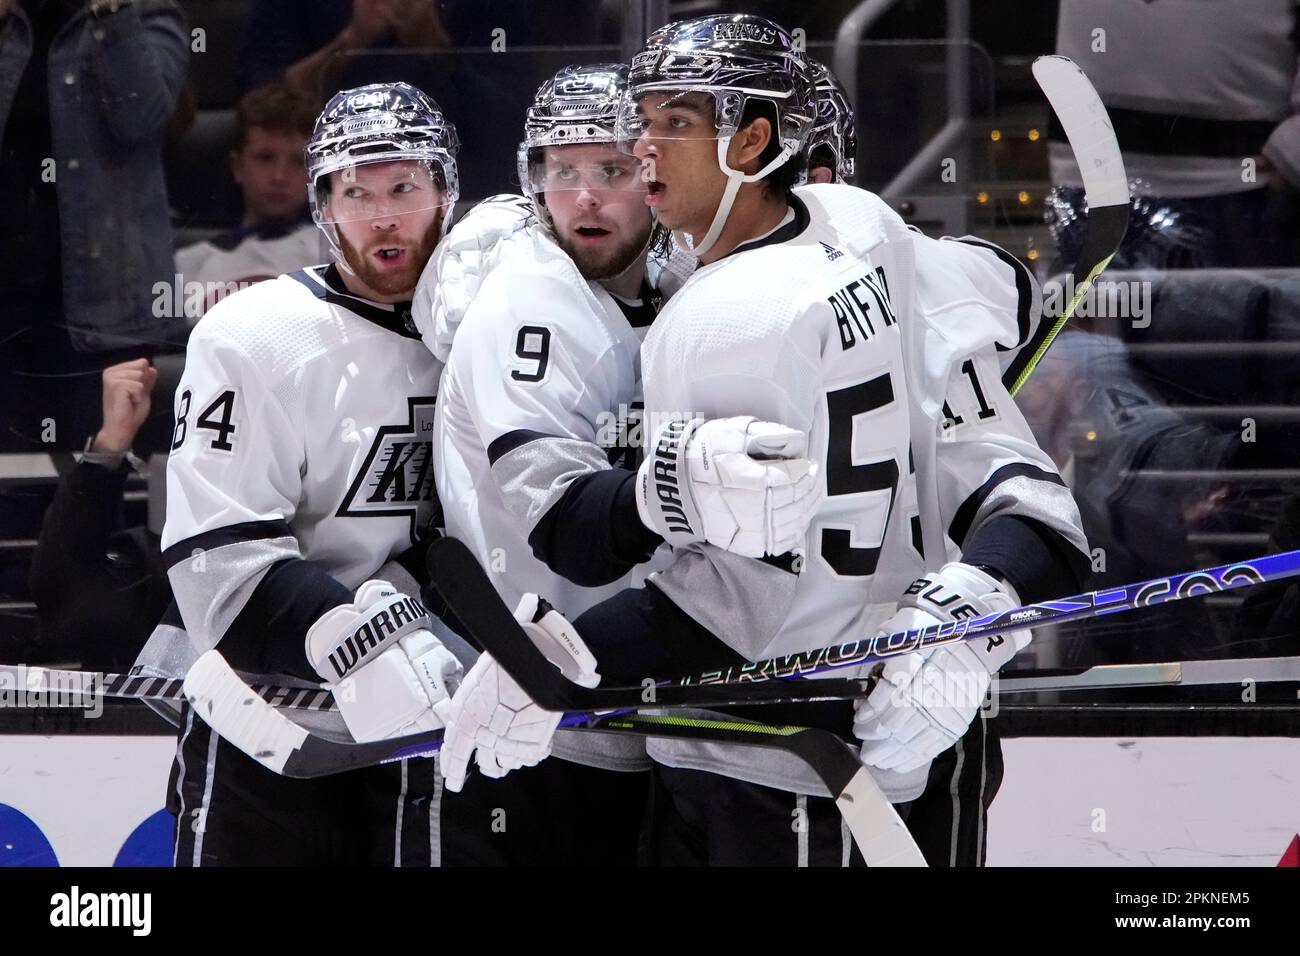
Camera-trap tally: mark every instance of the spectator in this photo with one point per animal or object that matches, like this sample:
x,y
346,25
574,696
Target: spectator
x,y
87,90
302,42
1208,126
1103,423
276,235
99,589
307,43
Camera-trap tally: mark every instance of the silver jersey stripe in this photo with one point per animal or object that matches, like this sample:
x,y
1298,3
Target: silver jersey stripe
x,y
212,588
209,775
1050,504
180,784
534,476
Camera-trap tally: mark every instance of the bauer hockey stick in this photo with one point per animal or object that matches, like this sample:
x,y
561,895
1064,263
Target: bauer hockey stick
x,y
1105,184
465,586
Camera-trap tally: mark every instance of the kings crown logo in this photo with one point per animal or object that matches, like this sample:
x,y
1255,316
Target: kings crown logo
x,y
397,475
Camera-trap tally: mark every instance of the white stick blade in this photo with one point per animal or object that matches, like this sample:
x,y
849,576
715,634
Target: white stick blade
x,y
1087,126
233,710
882,837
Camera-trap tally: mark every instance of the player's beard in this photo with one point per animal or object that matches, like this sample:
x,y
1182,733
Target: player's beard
x,y
392,281
596,264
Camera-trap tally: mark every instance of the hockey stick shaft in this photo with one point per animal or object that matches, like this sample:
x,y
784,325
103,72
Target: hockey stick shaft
x,y
72,685
470,593
1096,150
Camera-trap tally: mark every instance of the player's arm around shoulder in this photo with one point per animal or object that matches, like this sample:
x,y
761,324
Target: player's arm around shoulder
x,y
454,274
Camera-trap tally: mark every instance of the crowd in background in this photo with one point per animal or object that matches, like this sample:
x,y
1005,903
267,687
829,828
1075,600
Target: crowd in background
x,y
151,163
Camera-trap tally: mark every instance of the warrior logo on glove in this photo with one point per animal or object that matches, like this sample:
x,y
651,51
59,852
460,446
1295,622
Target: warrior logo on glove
x,y
393,620
665,476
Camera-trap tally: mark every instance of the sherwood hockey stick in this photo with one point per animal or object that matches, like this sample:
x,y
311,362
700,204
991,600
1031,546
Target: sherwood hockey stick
x,y
1105,184
50,684
241,716
467,590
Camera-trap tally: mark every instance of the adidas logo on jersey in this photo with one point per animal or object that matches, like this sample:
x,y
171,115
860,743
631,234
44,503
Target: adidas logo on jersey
x,y
831,252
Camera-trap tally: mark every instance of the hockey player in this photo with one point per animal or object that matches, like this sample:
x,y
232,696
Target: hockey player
x,y
947,819
832,148
300,467
537,439
809,308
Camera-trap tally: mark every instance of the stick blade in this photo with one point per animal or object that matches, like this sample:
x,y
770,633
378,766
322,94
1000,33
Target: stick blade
x,y
235,711
882,837
1087,126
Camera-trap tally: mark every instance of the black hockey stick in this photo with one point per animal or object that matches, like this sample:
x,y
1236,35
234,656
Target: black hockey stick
x,y
466,588
1105,184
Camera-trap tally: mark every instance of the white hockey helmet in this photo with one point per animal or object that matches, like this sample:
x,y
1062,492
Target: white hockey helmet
x,y
378,123
578,105
833,141
734,59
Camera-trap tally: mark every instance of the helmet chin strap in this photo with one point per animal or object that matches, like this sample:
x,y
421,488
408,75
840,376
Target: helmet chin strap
x,y
734,180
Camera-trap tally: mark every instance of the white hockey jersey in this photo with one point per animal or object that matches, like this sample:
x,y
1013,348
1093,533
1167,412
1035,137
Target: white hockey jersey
x,y
300,463
542,391
542,387
848,325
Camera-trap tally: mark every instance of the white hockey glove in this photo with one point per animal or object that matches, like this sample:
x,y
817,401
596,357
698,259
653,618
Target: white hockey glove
x,y
738,483
462,261
390,675
491,714
926,701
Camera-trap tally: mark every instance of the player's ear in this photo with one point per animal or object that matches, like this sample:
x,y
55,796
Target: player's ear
x,y
748,143
234,166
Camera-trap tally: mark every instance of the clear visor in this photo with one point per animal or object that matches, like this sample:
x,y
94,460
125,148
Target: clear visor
x,y
676,115
594,168
382,190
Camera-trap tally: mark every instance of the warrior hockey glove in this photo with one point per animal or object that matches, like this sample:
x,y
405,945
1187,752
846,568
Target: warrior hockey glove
x,y
390,675
738,483
492,715
926,701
